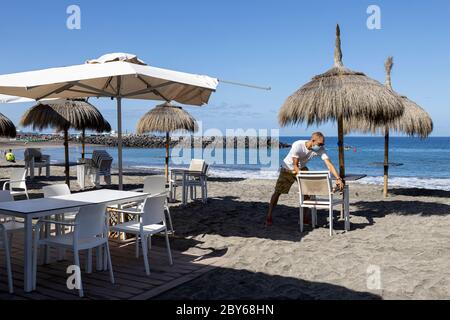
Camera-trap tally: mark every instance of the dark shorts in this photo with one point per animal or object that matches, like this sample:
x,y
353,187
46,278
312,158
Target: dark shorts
x,y
285,181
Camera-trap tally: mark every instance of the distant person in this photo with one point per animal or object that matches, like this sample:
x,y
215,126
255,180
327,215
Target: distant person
x,y
301,153
10,157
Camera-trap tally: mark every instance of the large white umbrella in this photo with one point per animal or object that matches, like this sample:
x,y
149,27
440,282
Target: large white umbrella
x,y
114,75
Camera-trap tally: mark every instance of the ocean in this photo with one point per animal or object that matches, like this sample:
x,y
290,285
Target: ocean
x,y
417,163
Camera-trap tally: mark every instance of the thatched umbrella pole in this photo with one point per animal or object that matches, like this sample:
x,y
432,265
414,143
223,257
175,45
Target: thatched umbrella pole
x,y
66,156
388,66
83,137
167,155
415,121
340,121
63,115
166,118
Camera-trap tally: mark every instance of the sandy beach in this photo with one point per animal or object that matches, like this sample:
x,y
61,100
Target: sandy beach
x,y
403,238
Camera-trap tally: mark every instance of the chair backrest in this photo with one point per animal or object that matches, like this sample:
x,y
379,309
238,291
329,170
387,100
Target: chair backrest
x,y
32,153
314,183
18,174
197,165
153,210
155,185
206,169
104,166
91,221
6,196
56,190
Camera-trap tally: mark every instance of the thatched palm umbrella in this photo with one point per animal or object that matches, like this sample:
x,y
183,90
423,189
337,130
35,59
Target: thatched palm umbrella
x,y
64,115
415,121
166,118
7,128
341,94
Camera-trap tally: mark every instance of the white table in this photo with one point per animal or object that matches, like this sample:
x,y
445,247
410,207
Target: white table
x,y
38,208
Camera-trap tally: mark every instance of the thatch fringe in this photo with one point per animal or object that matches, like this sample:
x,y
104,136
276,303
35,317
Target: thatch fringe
x,y
415,121
7,127
166,118
341,92
65,114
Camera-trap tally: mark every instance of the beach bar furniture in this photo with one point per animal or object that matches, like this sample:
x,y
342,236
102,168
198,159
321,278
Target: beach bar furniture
x,y
5,246
180,177
98,166
8,225
316,192
89,232
17,185
149,221
117,75
43,207
200,180
35,159
156,185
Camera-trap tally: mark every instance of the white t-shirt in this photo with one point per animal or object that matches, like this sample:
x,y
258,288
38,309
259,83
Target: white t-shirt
x,y
300,151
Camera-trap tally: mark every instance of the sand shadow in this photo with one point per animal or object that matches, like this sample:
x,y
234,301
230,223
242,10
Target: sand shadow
x,y
229,217
417,192
227,284
380,209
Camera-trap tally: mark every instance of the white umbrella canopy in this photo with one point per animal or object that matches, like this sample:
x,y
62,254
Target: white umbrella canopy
x,y
116,75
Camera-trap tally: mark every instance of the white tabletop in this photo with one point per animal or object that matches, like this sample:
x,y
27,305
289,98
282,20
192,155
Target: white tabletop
x,y
31,207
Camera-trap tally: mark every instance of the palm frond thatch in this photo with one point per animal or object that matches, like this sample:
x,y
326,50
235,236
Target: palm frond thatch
x,y
65,114
7,127
415,121
166,118
341,93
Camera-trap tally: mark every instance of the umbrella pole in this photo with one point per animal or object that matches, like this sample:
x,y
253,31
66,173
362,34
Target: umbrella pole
x,y
66,156
386,162
341,147
119,140
341,157
83,136
167,155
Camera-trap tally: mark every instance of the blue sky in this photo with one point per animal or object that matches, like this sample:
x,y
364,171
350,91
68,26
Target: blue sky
x,y
281,44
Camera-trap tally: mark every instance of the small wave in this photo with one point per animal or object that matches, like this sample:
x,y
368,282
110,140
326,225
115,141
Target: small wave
x,y
411,182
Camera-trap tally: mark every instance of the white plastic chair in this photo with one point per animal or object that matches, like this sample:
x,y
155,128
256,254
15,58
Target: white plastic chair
x,y
317,186
5,245
156,185
8,225
149,221
90,231
17,185
199,180
57,190
196,166
35,159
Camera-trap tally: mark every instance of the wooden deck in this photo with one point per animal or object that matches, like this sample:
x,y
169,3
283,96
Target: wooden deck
x,y
131,280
